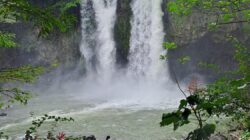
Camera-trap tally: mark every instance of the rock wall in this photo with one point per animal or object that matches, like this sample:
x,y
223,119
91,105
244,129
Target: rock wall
x,y
201,45
122,31
61,48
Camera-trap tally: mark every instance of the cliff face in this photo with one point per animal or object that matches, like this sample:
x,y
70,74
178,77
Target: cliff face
x,y
201,45
62,48
122,31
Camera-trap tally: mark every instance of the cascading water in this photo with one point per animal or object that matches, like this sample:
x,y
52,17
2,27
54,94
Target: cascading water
x,y
144,80
97,46
88,42
147,35
146,41
105,12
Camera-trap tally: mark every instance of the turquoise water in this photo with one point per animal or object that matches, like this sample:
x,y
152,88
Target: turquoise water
x,y
121,122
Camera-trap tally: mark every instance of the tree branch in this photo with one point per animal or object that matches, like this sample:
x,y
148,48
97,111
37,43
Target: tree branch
x,y
232,22
178,84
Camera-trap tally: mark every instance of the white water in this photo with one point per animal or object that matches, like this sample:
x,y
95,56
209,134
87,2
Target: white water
x,y
145,82
88,26
146,41
105,12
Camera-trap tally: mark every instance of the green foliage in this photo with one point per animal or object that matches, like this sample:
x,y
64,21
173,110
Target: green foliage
x,y
24,74
227,96
181,7
230,94
226,12
202,133
65,5
245,135
178,118
169,45
7,40
13,95
173,46
39,122
209,66
184,59
163,57
46,19
2,136
195,105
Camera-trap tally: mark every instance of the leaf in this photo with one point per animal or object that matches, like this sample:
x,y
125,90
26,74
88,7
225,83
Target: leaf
x,y
203,133
163,57
185,114
169,45
177,118
212,26
208,107
184,59
227,17
7,40
169,118
193,99
183,104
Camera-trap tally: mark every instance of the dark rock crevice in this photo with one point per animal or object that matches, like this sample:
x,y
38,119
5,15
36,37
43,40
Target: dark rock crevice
x,y
122,31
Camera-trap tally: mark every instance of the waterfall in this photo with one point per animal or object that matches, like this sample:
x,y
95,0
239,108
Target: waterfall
x,y
147,36
105,16
98,47
88,26
143,81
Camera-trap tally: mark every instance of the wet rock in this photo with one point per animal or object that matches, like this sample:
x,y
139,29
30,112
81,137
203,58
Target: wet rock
x,y
218,137
28,136
91,137
3,114
108,137
122,31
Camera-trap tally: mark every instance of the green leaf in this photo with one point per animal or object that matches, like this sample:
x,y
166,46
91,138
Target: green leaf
x,y
169,45
193,99
227,17
184,59
208,107
183,104
169,118
185,114
7,40
203,133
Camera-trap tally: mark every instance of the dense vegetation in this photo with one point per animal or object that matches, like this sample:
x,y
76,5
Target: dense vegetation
x,y
230,95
